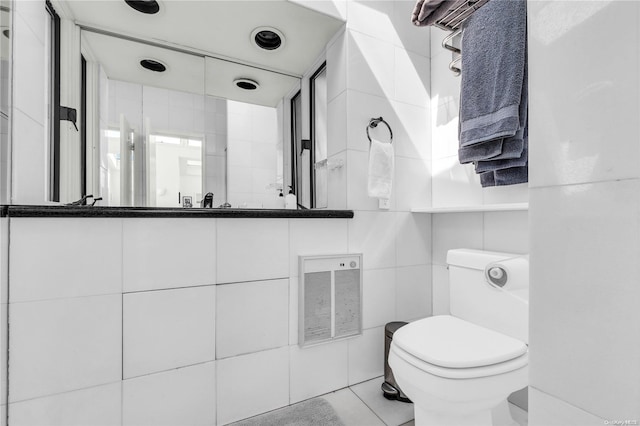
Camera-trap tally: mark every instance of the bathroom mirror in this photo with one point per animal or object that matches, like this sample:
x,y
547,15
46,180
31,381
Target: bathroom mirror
x,y
212,119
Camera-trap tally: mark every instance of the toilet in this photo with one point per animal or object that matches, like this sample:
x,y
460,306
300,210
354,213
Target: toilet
x,y
459,369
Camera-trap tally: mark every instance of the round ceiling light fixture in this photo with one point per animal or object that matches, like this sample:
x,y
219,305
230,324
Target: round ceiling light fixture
x,y
267,38
246,84
149,7
153,65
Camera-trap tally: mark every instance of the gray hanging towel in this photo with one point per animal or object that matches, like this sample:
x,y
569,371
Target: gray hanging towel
x,y
493,64
511,176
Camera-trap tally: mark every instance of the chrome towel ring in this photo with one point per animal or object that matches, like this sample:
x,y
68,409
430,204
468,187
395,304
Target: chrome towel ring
x,y
373,123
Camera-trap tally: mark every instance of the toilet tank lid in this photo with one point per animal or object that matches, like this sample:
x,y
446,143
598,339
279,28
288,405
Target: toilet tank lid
x,y
451,342
476,259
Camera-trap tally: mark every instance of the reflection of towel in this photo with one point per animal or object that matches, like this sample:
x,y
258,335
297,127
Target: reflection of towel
x,y
427,12
380,169
493,94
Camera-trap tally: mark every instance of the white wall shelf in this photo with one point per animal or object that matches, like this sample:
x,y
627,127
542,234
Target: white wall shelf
x,y
474,209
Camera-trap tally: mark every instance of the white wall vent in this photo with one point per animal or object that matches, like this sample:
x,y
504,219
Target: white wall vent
x,y
330,298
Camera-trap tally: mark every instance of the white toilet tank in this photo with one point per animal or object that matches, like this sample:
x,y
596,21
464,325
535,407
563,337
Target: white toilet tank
x,y
473,299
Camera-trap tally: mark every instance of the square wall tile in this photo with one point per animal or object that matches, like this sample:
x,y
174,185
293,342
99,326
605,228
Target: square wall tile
x,y
545,409
252,384
408,36
412,77
251,317
64,345
316,370
412,185
369,65
413,292
584,295
373,234
453,231
576,115
366,355
371,18
412,133
454,184
93,245
440,290
96,406
336,67
168,253
186,396
315,237
378,297
413,239
252,249
168,329
506,232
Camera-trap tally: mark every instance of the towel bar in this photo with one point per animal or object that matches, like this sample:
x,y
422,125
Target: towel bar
x,y
373,123
452,21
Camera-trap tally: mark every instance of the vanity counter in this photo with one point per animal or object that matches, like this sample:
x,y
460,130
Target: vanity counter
x,y
151,212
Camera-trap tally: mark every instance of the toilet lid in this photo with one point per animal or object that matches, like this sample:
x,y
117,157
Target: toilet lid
x,y
451,342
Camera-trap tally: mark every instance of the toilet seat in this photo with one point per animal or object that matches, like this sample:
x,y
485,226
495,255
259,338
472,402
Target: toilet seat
x,y
450,347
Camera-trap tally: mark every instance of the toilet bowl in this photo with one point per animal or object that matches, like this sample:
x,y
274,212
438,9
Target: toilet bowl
x,y
460,371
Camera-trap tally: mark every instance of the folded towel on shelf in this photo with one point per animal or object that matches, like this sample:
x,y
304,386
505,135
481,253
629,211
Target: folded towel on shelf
x,y
493,94
427,12
381,166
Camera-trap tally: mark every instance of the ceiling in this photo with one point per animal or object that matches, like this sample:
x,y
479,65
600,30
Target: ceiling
x,y
220,28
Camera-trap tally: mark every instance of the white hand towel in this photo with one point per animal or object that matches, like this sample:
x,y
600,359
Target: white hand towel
x,y
381,163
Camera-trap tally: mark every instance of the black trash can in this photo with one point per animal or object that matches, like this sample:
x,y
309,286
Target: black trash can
x,y
390,388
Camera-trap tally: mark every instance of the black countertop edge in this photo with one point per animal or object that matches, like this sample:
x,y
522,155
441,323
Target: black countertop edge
x,y
67,211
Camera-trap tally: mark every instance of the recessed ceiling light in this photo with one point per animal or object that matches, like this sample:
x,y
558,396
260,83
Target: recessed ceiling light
x,y
153,65
5,33
267,38
246,84
144,6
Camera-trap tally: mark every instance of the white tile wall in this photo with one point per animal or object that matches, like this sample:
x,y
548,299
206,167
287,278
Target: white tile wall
x,y
251,317
99,406
317,370
185,396
413,239
168,329
315,237
457,230
168,253
378,297
252,384
63,345
412,183
336,69
413,292
507,232
64,257
366,355
440,290
261,243
583,301
370,67
412,85
546,410
371,17
373,234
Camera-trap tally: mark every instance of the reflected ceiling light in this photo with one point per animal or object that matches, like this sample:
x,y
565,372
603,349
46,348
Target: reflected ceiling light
x,y
246,84
153,65
267,38
149,7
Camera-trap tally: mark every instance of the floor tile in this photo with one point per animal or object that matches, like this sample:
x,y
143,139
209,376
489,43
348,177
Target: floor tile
x,y
519,415
393,413
351,410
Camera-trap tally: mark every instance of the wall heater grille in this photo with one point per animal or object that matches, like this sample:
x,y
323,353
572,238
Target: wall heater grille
x,y
330,291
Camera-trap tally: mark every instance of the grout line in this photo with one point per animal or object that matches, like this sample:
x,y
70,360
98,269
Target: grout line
x,y
366,405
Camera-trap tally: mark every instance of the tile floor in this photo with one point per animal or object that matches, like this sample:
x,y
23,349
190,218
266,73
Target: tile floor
x,y
364,405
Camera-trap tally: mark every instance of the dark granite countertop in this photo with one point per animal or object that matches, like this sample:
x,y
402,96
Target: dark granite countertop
x,y
85,211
